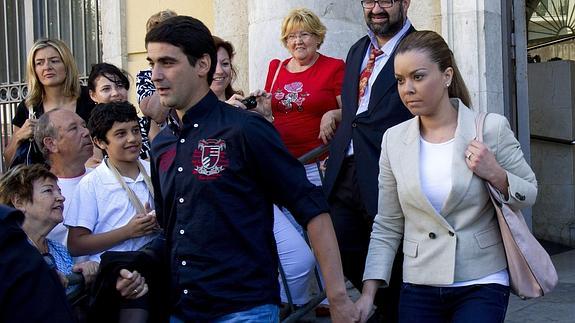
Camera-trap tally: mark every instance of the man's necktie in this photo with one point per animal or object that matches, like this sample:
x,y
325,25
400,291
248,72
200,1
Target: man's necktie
x,y
366,73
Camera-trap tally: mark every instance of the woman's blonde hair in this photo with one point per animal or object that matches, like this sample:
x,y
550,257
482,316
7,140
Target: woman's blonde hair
x,y
305,19
71,83
158,17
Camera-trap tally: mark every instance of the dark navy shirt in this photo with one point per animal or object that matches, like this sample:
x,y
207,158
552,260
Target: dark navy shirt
x,y
216,179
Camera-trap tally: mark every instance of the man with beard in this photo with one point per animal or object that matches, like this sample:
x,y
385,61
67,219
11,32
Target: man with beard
x,y
370,105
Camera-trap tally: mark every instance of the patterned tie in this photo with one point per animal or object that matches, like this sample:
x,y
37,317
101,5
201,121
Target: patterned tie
x,y
366,73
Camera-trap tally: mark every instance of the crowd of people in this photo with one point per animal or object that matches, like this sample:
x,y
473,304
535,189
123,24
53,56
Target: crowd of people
x,y
198,202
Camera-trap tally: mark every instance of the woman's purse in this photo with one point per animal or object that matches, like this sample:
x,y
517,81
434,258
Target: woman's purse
x,y
28,152
531,272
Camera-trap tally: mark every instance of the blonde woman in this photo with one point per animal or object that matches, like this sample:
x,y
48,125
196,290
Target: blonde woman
x,y
53,82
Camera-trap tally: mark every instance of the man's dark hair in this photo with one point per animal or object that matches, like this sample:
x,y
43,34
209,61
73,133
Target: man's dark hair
x,y
104,115
109,71
190,35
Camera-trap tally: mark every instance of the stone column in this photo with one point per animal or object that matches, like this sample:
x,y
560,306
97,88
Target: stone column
x,y
113,24
343,19
473,31
231,24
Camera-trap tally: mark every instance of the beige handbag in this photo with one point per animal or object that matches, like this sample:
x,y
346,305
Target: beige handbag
x,y
531,271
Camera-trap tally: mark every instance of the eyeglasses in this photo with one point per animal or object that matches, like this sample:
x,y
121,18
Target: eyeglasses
x,y
370,4
303,35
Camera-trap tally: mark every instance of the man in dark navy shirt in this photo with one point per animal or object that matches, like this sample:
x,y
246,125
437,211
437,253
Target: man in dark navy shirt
x,y
216,176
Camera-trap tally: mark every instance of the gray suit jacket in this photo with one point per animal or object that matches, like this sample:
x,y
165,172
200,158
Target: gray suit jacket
x,y
463,241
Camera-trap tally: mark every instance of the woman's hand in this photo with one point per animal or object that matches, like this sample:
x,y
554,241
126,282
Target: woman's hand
x,y
264,107
89,270
328,125
236,100
27,130
364,305
482,163
131,285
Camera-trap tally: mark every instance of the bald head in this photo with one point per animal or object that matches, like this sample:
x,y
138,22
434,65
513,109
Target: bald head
x,y
63,137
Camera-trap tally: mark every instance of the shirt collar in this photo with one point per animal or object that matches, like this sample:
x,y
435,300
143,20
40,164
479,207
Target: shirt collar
x,y
390,45
205,105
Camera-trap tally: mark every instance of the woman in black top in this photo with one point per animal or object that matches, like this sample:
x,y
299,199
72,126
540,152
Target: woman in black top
x,y
53,82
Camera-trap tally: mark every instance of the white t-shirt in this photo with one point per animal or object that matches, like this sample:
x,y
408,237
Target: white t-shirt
x,y
435,163
68,187
101,205
435,171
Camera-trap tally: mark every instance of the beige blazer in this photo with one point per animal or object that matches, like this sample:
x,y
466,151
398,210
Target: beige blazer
x,y
463,241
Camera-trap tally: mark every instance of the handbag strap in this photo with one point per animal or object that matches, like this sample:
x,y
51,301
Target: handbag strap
x,y
479,121
136,203
276,75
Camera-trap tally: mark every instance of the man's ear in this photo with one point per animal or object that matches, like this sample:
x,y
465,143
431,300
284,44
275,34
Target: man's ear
x,y
50,144
204,63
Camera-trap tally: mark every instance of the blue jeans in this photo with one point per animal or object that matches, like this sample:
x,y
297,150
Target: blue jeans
x,y
260,314
486,303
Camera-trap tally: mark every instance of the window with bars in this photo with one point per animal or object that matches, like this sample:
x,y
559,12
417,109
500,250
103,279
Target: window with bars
x,y
76,22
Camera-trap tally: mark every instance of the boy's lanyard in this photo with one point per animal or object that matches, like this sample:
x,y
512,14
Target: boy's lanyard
x,y
131,195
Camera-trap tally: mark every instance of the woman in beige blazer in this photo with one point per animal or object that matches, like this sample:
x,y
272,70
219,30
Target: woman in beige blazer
x,y
433,199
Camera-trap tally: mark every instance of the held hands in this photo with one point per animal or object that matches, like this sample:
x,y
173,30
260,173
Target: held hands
x,y
89,270
482,162
131,285
343,309
364,305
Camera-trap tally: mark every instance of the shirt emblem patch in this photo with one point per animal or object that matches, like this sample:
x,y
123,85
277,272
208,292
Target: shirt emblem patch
x,y
209,159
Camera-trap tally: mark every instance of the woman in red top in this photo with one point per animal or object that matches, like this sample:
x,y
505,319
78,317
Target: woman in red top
x,y
305,88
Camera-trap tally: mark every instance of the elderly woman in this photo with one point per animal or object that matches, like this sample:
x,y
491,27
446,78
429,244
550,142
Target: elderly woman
x,y
53,82
305,103
34,191
305,88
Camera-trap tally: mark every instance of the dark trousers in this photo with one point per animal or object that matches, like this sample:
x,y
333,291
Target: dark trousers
x,y
352,226
468,304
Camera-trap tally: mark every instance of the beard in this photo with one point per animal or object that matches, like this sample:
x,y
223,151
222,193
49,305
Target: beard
x,y
389,28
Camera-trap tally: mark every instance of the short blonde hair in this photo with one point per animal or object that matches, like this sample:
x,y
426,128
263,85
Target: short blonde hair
x,y
158,17
303,18
35,88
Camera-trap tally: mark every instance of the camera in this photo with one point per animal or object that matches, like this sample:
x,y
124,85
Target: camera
x,y
250,102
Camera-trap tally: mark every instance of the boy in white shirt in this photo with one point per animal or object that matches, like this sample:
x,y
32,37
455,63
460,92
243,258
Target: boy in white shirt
x,y
110,209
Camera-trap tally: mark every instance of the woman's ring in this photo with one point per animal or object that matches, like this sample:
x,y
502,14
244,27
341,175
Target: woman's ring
x,y
135,291
469,156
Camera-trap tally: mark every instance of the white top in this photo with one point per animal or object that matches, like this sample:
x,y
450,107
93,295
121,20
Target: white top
x,y
101,205
380,62
68,187
435,175
435,171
